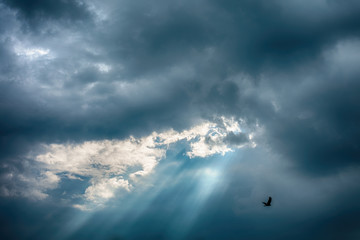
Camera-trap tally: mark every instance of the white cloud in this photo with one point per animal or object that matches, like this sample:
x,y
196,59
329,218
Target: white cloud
x,y
102,67
114,166
31,53
30,186
105,188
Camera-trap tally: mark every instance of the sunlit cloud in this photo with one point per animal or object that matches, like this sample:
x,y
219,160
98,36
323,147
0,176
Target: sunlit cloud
x,y
32,53
104,68
114,167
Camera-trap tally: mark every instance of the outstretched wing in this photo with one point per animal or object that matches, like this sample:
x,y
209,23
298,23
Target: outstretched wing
x,y
269,201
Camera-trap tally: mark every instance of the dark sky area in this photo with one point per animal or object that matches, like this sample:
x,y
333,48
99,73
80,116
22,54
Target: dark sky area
x,y
175,119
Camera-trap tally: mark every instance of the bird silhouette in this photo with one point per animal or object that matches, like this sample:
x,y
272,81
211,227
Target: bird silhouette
x,y
268,203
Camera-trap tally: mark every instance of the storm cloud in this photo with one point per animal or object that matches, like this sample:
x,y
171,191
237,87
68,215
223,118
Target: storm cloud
x,y
87,86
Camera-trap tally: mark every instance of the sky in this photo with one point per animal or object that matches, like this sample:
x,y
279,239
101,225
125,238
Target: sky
x,y
176,119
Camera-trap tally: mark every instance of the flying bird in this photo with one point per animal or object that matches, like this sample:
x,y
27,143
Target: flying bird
x,y
268,203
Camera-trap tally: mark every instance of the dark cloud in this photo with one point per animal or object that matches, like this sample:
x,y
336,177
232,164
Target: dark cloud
x,y
236,139
198,59
319,129
107,70
245,35
42,10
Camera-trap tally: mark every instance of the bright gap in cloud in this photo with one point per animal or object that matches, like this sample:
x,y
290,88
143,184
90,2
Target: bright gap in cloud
x,y
31,53
114,167
104,68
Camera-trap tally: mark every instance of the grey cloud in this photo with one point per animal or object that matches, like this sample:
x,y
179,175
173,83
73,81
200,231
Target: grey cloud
x,y
42,10
319,129
236,139
192,56
245,35
288,67
191,53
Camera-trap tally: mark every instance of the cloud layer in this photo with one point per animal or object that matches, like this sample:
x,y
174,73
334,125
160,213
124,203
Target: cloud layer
x,y
89,91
